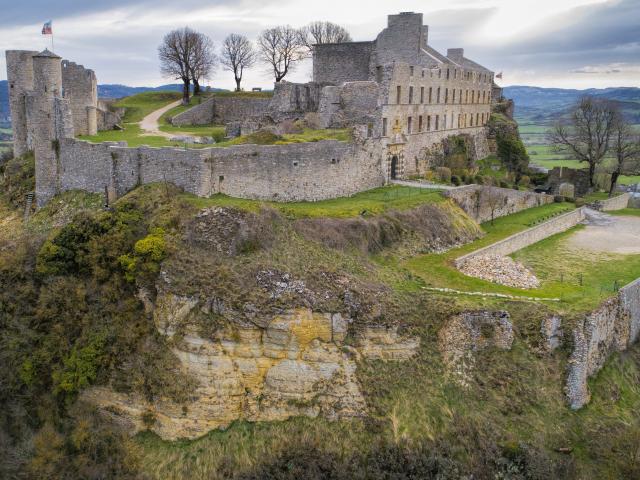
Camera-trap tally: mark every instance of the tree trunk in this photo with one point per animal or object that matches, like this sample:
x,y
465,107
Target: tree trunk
x,y
614,181
185,91
592,171
196,87
238,80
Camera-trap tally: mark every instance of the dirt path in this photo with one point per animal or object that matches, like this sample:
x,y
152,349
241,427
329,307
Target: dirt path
x,y
150,125
608,234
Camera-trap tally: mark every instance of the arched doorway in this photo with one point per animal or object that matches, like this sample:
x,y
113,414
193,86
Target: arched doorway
x,y
394,167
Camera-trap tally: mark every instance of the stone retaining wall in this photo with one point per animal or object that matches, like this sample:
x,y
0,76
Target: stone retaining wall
x,y
483,203
528,237
303,171
615,203
612,327
220,110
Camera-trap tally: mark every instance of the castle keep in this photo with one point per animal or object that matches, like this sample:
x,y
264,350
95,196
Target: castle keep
x,y
400,97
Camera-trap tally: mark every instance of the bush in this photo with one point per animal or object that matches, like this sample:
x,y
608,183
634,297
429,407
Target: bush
x,y
444,174
580,202
558,198
455,180
525,181
504,184
479,179
148,252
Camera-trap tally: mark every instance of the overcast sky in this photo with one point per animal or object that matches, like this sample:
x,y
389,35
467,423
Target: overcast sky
x,y
551,43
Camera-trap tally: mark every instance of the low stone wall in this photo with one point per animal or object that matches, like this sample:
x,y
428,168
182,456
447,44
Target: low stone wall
x,y
302,171
222,110
615,203
612,327
528,237
483,203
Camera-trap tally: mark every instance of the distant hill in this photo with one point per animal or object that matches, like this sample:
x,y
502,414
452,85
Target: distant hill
x,y
545,105
4,103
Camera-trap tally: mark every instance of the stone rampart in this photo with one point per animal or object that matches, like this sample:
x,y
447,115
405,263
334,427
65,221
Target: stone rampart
x,y
80,87
483,203
337,63
304,171
222,109
612,327
528,237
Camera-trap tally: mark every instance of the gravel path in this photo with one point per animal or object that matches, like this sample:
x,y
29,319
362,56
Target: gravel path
x,y
150,125
607,233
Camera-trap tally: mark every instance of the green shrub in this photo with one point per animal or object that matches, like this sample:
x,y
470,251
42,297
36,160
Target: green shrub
x,y
504,184
580,202
147,254
80,367
558,198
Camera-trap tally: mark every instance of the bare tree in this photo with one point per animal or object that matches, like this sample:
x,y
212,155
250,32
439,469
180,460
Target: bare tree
x,y
625,147
280,47
587,134
323,32
175,53
236,55
203,59
493,198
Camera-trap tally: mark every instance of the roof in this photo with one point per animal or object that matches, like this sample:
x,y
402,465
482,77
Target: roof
x,y
47,54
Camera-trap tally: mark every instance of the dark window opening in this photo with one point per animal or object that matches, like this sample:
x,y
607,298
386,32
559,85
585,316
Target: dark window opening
x,y
394,167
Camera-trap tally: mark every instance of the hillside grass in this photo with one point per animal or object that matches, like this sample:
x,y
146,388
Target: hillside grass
x,y
370,202
133,135
142,104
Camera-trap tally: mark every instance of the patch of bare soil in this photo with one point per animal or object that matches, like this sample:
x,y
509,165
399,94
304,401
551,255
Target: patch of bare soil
x,y
607,233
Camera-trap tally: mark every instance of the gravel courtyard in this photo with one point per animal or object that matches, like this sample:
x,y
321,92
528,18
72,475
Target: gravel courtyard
x,y
608,233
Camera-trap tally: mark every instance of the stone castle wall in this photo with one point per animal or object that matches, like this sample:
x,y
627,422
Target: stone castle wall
x,y
220,110
612,327
342,62
477,201
80,87
20,81
615,203
528,237
305,171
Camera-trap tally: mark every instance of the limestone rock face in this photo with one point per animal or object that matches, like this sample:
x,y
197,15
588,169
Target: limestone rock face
x,y
295,365
470,332
551,330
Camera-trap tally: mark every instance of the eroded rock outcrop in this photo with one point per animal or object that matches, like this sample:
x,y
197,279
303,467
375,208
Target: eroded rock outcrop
x,y
296,364
469,332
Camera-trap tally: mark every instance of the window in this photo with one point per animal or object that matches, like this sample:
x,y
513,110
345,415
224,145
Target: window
x,y
444,121
459,120
447,74
471,120
483,96
410,94
451,120
398,94
466,96
477,119
411,71
454,96
438,97
421,94
439,73
420,123
409,124
437,121
473,96
379,74
455,73
384,127
446,95
428,123
460,97
422,73
430,92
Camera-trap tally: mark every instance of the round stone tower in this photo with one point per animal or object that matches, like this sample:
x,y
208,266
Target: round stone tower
x,y
42,107
20,80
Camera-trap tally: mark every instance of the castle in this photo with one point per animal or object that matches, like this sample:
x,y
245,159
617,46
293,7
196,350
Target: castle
x,y
400,97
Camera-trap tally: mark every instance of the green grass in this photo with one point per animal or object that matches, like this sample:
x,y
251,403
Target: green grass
x,y
132,134
581,278
371,202
633,212
142,104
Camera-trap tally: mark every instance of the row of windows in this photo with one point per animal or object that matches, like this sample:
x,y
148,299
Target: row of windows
x,y
470,96
468,75
448,121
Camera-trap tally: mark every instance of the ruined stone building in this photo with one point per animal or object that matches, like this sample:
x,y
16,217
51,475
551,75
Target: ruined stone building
x,y
400,97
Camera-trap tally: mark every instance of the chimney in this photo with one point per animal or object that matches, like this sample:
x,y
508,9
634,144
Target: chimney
x,y
455,54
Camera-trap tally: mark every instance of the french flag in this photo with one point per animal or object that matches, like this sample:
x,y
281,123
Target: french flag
x,y
46,28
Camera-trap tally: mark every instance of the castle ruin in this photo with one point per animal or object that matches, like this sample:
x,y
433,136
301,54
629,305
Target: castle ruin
x,y
401,98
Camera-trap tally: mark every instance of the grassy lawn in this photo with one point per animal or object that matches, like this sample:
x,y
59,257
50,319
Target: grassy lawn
x,y
582,278
371,202
437,270
132,134
625,212
142,104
